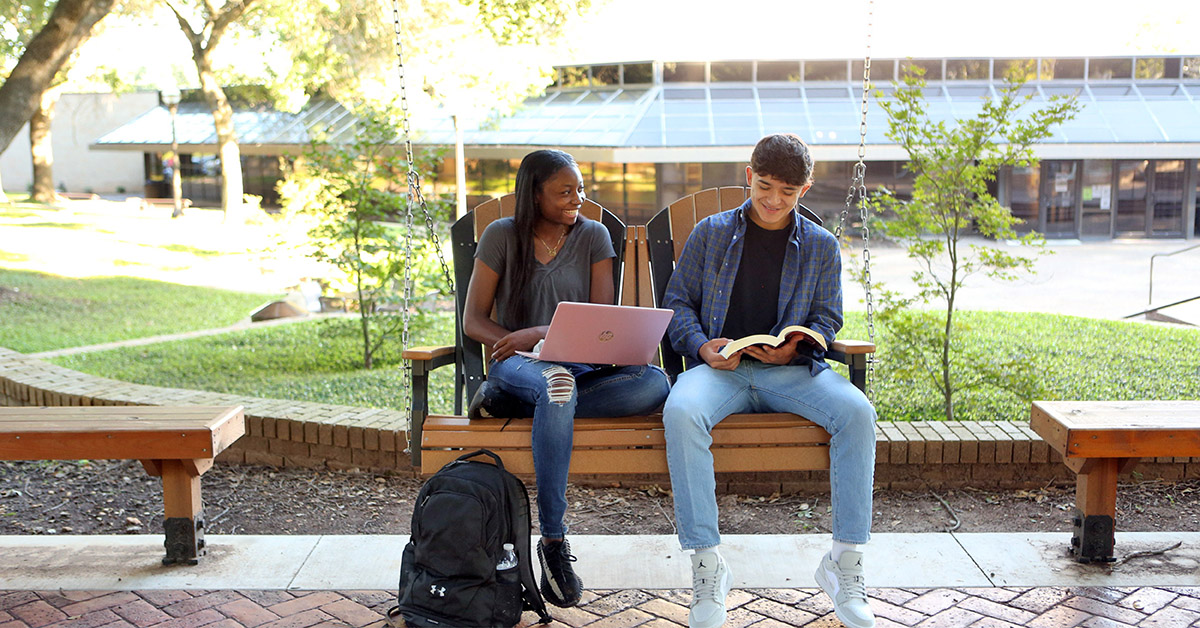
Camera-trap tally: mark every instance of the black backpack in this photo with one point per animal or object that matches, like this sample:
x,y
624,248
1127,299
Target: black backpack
x,y
464,515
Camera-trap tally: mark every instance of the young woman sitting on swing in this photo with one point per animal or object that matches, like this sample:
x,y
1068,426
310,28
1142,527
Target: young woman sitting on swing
x,y
525,265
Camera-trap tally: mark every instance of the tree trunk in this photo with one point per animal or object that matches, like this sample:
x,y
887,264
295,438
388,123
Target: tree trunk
x,y
68,27
227,146
40,149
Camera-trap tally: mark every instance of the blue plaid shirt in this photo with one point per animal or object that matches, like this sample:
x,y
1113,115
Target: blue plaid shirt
x,y
810,293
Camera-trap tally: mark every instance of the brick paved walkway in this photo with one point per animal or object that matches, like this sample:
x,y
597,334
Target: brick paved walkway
x,y
1043,607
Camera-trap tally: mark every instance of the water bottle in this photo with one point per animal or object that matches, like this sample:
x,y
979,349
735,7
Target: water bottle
x,y
508,560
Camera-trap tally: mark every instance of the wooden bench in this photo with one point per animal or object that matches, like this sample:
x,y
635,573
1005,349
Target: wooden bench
x,y
625,445
177,444
150,203
1099,440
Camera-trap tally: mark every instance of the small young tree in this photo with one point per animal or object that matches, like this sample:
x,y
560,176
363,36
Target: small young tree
x,y
355,192
952,164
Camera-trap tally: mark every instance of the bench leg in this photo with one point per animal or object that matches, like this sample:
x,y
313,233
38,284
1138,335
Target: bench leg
x,y
1095,510
183,510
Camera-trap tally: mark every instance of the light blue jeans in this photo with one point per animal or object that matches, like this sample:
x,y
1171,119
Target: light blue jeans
x,y
702,396
560,392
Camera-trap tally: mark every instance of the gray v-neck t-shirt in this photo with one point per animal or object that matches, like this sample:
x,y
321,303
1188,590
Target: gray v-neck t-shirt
x,y
566,278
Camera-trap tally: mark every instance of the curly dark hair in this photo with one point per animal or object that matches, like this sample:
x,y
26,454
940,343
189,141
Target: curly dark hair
x,y
784,156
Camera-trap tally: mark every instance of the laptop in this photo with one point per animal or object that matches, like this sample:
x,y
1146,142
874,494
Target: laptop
x,y
593,333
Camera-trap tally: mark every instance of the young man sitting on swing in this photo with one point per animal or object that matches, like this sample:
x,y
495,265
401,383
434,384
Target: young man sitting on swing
x,y
752,270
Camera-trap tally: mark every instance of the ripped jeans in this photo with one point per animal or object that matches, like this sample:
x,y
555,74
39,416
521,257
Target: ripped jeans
x,y
560,392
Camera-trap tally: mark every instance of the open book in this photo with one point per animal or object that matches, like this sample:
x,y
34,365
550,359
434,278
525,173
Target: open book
x,y
772,339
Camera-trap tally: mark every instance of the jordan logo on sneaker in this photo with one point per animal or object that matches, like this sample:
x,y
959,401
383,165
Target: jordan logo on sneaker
x,y
701,566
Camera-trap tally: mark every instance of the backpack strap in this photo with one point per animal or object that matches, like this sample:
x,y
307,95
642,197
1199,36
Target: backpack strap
x,y
520,522
483,452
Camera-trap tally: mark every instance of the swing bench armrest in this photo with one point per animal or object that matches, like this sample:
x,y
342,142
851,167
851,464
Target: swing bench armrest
x,y
424,360
852,347
429,354
855,354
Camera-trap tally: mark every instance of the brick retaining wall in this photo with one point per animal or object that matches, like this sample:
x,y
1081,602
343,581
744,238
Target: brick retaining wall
x,y
909,456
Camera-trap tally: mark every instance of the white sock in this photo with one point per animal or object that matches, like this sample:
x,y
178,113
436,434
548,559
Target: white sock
x,y
839,548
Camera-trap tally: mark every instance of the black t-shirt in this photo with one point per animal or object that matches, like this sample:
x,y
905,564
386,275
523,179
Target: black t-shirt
x,y
754,304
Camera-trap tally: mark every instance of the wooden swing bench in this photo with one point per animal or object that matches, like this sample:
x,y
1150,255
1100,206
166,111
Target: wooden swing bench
x,y
646,256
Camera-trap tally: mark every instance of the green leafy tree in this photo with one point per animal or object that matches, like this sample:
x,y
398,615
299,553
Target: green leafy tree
x,y
29,66
952,164
354,190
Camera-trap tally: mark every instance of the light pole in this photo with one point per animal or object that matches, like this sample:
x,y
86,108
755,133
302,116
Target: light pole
x,y
171,97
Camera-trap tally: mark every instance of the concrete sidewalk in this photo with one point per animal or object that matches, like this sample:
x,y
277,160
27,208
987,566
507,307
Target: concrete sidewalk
x,y
926,580
1095,279
605,561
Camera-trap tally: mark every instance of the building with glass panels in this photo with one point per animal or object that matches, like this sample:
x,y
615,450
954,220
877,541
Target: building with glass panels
x,y
1128,165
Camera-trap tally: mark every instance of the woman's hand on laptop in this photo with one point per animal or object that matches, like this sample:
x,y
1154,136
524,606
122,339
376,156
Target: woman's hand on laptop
x,y
709,353
520,340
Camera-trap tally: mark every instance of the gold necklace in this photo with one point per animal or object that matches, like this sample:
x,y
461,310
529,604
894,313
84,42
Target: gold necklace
x,y
552,250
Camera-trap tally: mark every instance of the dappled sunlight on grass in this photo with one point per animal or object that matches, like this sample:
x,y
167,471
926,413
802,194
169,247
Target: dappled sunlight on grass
x,y
102,238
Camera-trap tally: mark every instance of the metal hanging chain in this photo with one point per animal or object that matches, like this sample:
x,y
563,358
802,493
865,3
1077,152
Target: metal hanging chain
x,y
412,190
858,187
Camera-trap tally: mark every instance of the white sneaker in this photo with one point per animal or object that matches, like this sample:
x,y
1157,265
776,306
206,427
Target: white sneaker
x,y
711,582
843,582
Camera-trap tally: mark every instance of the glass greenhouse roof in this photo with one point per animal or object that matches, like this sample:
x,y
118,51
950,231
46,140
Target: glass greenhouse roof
x,y
677,117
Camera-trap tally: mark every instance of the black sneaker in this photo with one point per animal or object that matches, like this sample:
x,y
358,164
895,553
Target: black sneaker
x,y
560,586
476,409
489,403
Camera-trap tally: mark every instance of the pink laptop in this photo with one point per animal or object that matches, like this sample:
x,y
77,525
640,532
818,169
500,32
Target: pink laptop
x,y
603,334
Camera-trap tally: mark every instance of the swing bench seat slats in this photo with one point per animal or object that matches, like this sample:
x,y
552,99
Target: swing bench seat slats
x,y
622,445
747,442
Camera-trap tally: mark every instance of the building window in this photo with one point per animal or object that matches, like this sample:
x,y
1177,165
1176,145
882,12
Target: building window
x,y
892,176
260,173
1059,208
1096,196
732,71
968,70
1167,208
641,193
639,73
1023,185
827,196
1051,69
1191,68
1196,199
1110,69
932,67
573,76
606,75
778,71
825,71
1023,68
683,72
882,70
1154,68
1131,197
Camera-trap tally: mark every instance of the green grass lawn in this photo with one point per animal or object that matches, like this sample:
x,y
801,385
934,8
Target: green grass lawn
x,y
319,361
40,312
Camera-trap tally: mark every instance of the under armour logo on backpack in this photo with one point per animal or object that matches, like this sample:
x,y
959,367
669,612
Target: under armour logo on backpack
x,y
437,591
